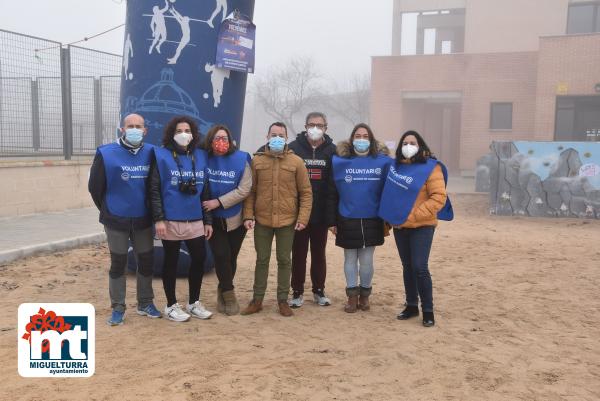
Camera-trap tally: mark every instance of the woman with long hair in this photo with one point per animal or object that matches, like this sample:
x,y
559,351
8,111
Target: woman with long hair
x,y
414,197
178,177
359,169
230,182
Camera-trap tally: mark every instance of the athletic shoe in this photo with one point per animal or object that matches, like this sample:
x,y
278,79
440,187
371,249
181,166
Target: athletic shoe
x,y
176,314
150,311
296,301
321,299
116,318
198,310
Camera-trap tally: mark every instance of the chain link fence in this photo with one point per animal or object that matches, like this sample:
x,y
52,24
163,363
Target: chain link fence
x,y
56,100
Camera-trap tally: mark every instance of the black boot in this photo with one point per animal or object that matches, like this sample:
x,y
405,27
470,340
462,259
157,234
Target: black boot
x,y
428,320
408,312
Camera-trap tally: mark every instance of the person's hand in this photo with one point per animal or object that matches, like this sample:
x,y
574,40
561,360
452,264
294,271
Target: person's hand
x,y
249,224
333,230
160,228
210,204
300,226
208,231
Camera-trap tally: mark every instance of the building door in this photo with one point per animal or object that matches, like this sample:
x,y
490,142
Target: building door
x,y
438,121
577,118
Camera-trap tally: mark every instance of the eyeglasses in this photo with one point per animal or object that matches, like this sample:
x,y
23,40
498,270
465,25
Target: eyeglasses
x,y
320,126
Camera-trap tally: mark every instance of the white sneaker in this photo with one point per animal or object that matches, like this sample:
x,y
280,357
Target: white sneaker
x,y
296,302
176,314
321,299
198,310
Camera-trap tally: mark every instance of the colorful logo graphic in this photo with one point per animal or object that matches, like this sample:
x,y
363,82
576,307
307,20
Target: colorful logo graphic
x,y
56,340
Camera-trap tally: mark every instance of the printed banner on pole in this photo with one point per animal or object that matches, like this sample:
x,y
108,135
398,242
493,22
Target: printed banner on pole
x,y
236,44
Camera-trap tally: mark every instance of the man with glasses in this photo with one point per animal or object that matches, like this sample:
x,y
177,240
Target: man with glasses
x,y
316,148
117,183
278,206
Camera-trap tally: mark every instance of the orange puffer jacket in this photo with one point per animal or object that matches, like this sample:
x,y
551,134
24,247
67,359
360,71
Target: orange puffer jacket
x,y
431,199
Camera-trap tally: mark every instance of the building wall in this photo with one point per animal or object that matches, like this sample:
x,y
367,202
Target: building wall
x,y
494,26
500,77
482,79
572,60
38,187
391,76
401,6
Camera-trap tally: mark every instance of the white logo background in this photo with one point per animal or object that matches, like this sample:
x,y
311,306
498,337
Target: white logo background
x,y
27,310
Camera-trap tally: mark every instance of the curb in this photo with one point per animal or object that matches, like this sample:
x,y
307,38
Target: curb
x,y
54,246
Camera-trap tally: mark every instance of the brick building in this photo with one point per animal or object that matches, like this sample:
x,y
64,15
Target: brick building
x,y
465,73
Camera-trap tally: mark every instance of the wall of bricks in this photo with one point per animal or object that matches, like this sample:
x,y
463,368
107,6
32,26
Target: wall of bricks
x,y
573,60
481,78
527,79
43,186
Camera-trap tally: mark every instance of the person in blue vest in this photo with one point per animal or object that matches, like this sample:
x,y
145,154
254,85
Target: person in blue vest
x,y
359,169
414,198
117,184
230,182
178,177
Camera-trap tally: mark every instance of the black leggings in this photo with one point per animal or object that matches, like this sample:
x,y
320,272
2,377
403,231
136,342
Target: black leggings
x,y
226,247
197,252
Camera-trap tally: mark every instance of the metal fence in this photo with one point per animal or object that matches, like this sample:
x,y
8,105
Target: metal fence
x,y
56,100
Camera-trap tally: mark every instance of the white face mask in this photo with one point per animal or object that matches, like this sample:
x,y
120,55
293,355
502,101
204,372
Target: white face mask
x,y
409,150
315,133
183,138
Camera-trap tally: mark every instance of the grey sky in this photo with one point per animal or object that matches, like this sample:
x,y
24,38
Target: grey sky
x,y
341,35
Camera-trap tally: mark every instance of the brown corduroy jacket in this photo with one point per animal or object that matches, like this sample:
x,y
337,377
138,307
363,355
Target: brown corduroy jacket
x,y
281,193
430,200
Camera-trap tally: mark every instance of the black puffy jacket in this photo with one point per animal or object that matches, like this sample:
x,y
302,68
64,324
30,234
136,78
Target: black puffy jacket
x,y
318,164
352,233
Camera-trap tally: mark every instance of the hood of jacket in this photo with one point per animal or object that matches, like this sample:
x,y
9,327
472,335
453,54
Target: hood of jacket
x,y
343,149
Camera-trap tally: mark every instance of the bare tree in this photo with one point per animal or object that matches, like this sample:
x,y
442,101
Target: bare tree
x,y
284,93
350,101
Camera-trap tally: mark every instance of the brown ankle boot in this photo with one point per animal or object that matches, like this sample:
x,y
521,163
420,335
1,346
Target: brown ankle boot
x,y
284,309
220,302
363,299
231,305
352,305
254,306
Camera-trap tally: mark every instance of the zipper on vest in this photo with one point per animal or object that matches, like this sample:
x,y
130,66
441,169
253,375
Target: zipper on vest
x,y
362,229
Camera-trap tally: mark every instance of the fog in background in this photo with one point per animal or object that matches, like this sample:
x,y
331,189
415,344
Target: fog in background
x,y
336,37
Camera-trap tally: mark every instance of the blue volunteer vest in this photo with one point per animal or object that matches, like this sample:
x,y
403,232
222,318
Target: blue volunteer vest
x,y
179,206
224,175
402,186
126,175
359,181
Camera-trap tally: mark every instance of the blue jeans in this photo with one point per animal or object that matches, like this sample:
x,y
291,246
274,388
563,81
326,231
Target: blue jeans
x,y
359,263
414,245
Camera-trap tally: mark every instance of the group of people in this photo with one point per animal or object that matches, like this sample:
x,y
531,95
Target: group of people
x,y
194,191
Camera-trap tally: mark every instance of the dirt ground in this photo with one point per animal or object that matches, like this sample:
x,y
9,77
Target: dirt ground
x,y
517,318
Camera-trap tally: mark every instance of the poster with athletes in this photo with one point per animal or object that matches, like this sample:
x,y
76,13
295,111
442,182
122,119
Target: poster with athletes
x,y
235,44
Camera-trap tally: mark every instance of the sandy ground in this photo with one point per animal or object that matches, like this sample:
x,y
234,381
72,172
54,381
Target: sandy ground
x,y
517,310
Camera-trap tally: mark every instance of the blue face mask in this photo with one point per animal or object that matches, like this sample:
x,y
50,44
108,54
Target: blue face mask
x,y
276,144
134,136
361,145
